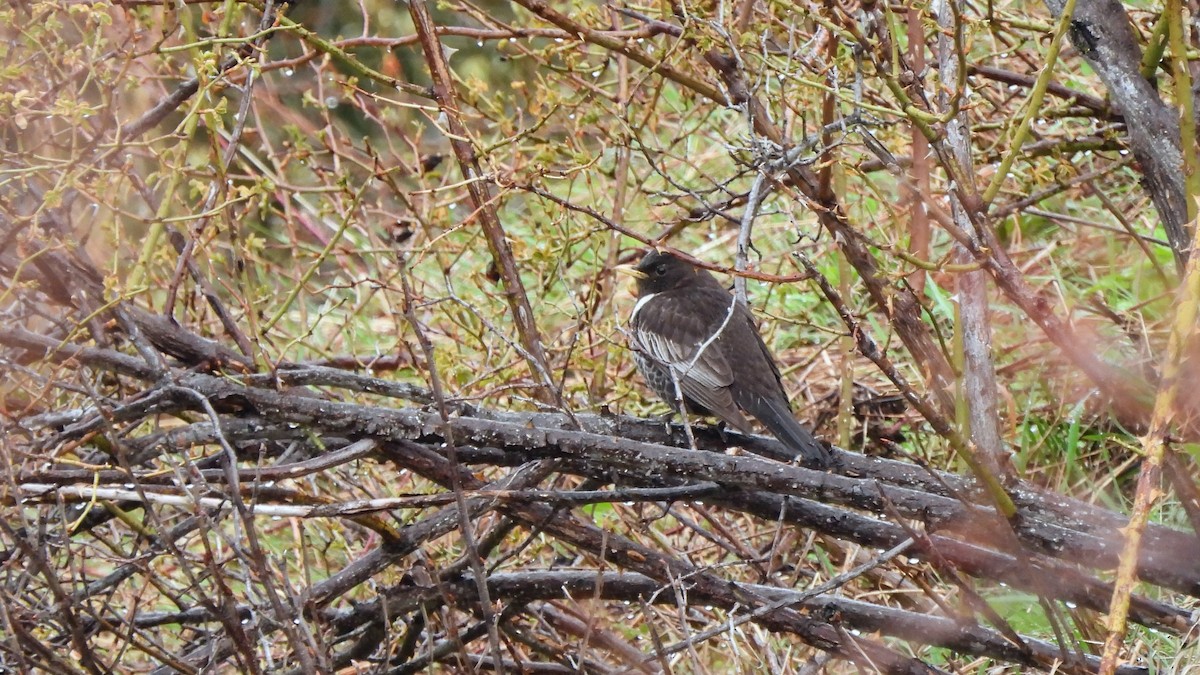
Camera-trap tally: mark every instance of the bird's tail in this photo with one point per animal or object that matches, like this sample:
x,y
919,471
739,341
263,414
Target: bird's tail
x,y
777,417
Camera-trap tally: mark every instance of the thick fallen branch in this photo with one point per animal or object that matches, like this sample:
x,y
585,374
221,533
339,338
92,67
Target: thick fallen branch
x,y
1049,524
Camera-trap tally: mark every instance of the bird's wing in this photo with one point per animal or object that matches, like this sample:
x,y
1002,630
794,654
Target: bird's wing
x,y
675,335
767,354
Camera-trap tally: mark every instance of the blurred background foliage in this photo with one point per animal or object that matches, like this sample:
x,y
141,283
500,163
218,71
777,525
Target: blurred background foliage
x,y
310,192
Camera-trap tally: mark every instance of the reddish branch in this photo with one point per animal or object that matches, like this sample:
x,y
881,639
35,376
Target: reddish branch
x,y
481,199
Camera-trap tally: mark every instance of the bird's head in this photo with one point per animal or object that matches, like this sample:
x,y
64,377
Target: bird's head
x,y
659,272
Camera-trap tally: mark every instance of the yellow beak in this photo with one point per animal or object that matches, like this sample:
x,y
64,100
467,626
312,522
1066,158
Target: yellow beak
x,y
630,270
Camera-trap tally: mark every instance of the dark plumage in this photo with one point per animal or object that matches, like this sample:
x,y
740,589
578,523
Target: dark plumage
x,y
680,309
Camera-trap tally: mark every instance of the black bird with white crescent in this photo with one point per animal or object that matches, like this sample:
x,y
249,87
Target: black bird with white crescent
x,y
687,328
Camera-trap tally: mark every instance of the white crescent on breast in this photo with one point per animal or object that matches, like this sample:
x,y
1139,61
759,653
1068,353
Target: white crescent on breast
x,y
640,304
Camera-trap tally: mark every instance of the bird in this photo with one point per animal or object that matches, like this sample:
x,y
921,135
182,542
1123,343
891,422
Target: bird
x,y
687,328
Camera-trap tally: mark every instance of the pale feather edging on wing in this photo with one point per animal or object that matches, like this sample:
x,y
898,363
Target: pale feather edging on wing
x,y
703,373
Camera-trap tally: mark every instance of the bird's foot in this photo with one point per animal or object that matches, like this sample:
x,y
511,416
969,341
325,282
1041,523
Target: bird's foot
x,y
666,419
721,428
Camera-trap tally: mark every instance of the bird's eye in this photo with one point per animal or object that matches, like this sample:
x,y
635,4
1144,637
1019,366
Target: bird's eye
x,y
660,270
